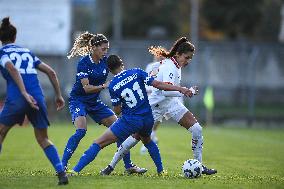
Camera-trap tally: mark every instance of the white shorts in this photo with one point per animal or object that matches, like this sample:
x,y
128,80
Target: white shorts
x,y
169,109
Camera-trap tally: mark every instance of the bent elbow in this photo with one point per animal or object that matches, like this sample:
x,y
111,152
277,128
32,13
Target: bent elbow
x,y
52,74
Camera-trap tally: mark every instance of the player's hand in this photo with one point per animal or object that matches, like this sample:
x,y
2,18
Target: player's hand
x,y
194,90
32,102
106,84
60,103
186,92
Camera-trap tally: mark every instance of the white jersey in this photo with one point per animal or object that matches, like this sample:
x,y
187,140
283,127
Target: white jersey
x,y
168,72
152,69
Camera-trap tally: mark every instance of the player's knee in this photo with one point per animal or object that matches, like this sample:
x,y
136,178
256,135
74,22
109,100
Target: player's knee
x,y
146,140
4,130
105,140
43,142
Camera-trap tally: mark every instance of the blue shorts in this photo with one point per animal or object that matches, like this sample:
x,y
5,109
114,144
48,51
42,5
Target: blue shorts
x,y
96,110
14,112
128,125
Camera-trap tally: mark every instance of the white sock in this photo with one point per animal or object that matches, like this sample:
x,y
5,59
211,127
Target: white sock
x,y
197,141
154,136
122,150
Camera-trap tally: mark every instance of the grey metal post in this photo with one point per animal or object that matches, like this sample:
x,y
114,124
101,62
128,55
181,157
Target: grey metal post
x,y
251,97
117,29
194,38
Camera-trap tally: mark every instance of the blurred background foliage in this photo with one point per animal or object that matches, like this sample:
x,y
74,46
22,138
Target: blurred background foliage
x,y
256,20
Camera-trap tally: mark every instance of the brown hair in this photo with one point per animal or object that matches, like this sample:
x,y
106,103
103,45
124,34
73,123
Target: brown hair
x,y
8,32
182,45
114,62
85,42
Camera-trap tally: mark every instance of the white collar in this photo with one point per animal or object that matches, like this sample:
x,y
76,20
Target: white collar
x,y
119,73
91,59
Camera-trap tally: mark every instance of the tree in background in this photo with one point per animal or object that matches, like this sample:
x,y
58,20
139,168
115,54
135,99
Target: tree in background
x,y
140,19
253,19
168,19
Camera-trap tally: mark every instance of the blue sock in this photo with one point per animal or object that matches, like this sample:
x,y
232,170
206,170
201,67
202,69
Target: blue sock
x,y
155,155
0,148
126,158
87,157
52,154
71,145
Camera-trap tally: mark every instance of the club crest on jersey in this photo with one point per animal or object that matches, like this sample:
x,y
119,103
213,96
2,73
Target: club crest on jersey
x,y
104,72
171,75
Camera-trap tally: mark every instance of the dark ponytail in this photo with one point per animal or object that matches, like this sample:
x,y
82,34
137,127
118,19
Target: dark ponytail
x,y
8,32
182,45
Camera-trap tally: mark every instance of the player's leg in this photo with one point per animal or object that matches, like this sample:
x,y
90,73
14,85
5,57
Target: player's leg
x,y
158,113
81,128
126,158
104,115
51,153
89,155
123,128
154,132
77,110
154,137
152,147
39,120
122,150
110,136
189,122
12,113
3,132
154,152
178,112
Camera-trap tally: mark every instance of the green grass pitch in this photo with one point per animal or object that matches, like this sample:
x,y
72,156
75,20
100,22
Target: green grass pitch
x,y
244,158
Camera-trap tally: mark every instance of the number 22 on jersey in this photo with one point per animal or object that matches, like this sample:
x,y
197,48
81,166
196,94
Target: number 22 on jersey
x,y
22,58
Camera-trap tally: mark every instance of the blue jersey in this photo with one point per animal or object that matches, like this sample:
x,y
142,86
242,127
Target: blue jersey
x,y
25,62
128,89
95,73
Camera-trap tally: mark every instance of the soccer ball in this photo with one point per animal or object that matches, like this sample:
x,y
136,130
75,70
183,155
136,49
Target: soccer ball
x,y
191,168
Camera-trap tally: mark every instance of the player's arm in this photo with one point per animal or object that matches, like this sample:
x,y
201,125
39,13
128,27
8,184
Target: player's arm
x,y
168,87
169,75
60,103
115,101
149,80
193,89
19,82
92,88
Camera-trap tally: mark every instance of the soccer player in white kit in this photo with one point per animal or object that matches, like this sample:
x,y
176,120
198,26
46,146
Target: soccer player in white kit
x,y
166,103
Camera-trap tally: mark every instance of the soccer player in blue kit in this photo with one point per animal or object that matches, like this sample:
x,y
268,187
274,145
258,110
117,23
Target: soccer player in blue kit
x,y
84,98
129,97
19,67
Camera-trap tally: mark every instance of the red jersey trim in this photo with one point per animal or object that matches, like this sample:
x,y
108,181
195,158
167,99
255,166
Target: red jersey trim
x,y
175,62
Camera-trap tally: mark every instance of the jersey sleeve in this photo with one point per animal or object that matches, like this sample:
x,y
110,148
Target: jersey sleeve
x,y
145,76
82,70
37,61
4,58
114,98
